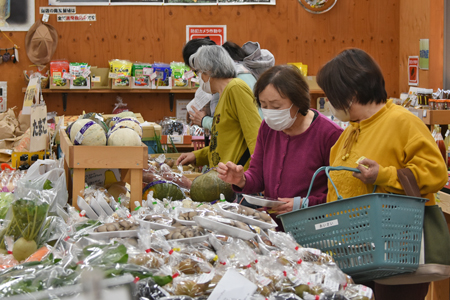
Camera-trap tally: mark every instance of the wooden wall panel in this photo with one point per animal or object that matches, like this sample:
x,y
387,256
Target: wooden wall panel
x,y
149,33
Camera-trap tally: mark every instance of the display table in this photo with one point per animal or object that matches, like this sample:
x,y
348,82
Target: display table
x,y
130,160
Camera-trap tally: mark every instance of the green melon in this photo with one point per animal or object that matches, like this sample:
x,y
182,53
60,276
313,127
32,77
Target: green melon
x,y
163,189
208,187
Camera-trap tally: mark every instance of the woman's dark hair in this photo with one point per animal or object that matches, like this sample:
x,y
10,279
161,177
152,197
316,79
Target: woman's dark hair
x,y
289,83
235,51
352,74
192,46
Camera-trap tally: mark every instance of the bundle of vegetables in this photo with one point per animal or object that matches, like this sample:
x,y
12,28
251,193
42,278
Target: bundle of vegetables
x,y
28,217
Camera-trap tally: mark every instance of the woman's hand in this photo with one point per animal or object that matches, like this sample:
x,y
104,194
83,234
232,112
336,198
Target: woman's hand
x,y
186,158
369,171
231,173
197,116
284,208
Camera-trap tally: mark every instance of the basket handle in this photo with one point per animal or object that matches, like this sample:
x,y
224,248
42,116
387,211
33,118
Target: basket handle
x,y
327,171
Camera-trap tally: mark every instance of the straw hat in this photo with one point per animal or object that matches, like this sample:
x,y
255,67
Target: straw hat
x,y
40,43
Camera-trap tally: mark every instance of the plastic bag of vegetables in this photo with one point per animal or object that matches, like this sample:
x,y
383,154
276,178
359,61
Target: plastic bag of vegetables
x,y
26,219
5,201
47,176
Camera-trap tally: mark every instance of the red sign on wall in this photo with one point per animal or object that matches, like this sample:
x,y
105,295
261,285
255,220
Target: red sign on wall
x,y
413,70
217,33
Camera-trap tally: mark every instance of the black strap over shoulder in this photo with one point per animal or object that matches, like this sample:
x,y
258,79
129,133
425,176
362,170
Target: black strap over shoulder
x,y
244,158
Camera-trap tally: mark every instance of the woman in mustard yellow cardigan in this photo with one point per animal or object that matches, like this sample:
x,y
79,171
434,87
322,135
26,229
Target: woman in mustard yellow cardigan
x,y
389,136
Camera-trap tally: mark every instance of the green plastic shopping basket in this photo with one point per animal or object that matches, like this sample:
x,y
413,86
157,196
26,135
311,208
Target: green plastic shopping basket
x,y
370,236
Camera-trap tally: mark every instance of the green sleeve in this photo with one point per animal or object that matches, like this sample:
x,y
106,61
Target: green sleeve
x,y
201,156
207,122
248,115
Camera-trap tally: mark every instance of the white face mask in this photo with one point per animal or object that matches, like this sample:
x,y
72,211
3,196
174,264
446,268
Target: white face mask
x,y
206,86
279,119
342,115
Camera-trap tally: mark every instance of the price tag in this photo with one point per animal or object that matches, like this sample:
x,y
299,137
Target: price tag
x,y
147,71
79,138
314,251
316,279
96,78
365,291
86,73
195,258
176,139
424,113
112,75
194,80
205,277
263,280
153,75
188,75
331,284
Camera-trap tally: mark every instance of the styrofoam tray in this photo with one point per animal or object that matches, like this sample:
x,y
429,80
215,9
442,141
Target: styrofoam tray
x,y
192,240
156,226
114,234
210,224
261,201
179,210
247,220
104,205
90,213
97,208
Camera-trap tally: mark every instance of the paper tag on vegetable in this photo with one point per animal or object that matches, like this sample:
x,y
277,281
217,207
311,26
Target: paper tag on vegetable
x,y
331,284
188,75
365,291
263,280
205,277
147,71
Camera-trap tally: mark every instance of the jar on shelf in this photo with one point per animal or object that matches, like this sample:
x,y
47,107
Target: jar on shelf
x,y
441,104
432,103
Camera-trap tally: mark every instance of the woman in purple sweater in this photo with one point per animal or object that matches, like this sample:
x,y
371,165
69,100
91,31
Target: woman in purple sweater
x,y
293,142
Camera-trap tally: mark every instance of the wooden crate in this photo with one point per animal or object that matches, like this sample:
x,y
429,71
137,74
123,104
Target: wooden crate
x,y
131,161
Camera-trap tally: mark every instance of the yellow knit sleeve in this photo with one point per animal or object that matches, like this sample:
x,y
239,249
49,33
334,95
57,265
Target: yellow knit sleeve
x,y
201,156
423,158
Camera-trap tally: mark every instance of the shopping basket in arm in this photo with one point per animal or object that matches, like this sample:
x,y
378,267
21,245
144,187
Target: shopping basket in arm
x,y
370,236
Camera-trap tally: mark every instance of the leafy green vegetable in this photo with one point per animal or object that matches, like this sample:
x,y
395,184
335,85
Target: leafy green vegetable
x,y
48,185
5,202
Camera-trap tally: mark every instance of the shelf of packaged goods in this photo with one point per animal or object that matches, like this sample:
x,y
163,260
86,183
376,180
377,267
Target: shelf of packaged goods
x,y
130,160
64,93
432,117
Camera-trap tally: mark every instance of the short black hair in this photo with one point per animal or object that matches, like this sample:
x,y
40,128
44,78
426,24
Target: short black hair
x,y
192,46
235,51
289,83
352,74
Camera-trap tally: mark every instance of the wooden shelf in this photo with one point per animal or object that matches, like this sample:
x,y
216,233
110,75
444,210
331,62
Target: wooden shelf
x,y
64,93
111,91
432,117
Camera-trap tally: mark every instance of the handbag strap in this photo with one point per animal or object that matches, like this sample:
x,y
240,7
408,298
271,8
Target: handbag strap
x,y
408,182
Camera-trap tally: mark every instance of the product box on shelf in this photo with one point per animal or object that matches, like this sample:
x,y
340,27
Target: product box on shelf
x,y
180,83
100,79
140,82
59,84
150,130
121,83
163,79
80,83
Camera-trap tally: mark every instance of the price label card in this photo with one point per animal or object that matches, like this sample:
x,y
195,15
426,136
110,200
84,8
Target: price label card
x,y
112,75
331,284
176,139
68,76
86,73
147,71
188,75
96,78
153,75
205,277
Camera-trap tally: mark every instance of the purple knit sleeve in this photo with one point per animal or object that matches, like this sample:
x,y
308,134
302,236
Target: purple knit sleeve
x,y
255,174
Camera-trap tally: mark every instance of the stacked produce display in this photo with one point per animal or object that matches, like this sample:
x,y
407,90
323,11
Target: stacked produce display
x,y
174,248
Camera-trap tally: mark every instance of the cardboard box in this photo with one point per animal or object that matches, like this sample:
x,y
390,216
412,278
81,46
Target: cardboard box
x,y
420,113
181,84
100,79
150,130
312,83
141,82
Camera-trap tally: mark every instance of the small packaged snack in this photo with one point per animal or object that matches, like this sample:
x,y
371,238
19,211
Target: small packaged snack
x,y
57,70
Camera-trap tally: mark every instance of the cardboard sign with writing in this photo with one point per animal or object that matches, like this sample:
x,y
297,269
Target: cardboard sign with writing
x,y
33,91
39,130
